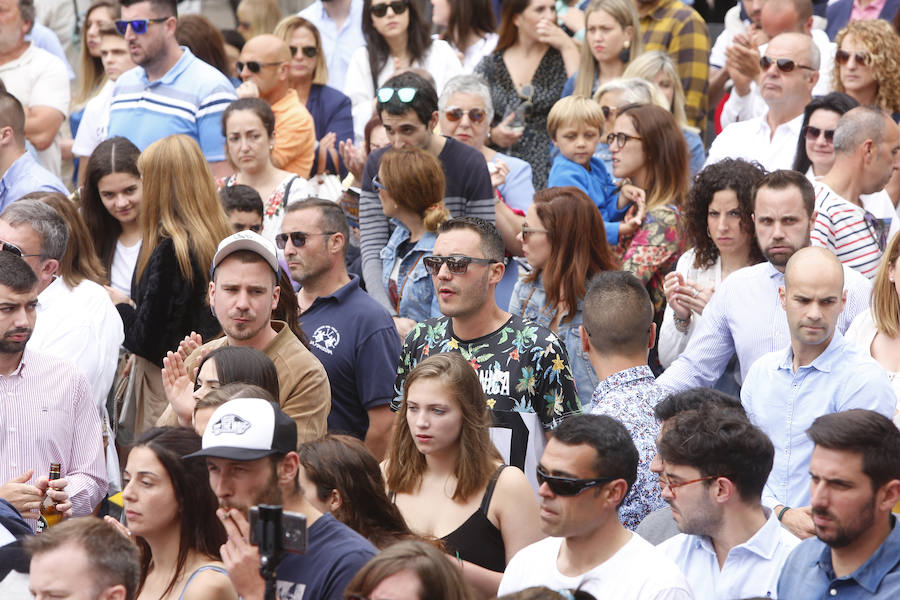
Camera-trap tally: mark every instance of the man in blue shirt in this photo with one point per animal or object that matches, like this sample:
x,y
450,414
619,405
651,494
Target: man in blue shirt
x,y
854,483
20,173
819,373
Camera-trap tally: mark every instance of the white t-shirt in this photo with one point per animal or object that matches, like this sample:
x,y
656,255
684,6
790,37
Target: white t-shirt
x,y
122,269
94,122
638,571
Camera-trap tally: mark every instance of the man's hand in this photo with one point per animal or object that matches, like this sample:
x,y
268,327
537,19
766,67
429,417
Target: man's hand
x,y
56,491
26,498
190,343
327,147
798,521
248,89
241,560
742,63
502,135
178,386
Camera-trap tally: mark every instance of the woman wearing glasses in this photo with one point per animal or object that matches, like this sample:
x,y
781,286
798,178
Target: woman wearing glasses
x,y
249,127
397,38
330,108
410,184
815,147
564,241
867,64
447,478
527,72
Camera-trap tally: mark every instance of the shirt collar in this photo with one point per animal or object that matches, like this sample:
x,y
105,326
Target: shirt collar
x,y
871,573
341,294
173,73
629,375
824,362
14,171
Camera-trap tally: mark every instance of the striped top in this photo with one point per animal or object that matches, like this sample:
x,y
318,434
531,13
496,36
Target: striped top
x,y
47,415
851,231
190,99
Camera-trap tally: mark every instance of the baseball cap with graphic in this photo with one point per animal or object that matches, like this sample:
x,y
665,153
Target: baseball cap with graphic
x,y
246,240
248,429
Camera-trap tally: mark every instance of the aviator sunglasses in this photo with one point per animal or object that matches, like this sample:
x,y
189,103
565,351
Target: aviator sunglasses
x,y
812,134
454,114
785,65
861,58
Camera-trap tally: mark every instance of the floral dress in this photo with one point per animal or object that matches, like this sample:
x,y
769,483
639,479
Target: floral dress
x,y
296,187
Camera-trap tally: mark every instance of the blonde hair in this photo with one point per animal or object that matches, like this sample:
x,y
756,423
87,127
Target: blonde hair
x,y
415,180
624,13
263,16
883,45
286,28
575,110
179,201
92,75
647,66
885,303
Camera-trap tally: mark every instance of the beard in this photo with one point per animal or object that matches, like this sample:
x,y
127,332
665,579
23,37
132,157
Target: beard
x,y
8,346
269,494
844,534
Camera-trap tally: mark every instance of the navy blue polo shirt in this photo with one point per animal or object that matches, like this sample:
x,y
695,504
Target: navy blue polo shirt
x,y
354,338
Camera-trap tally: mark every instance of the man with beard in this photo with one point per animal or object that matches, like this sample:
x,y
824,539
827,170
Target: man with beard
x,y
250,449
745,315
854,482
243,292
818,373
715,464
45,401
853,219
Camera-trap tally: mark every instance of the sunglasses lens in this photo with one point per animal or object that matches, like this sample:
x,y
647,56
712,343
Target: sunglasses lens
x,y
281,240
379,10
785,65
11,248
457,266
122,27
385,94
842,56
298,239
406,94
310,51
432,264
454,114
399,7
476,115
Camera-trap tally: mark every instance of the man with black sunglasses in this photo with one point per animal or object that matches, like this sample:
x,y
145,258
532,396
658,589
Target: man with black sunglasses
x,y
855,216
265,68
173,91
585,474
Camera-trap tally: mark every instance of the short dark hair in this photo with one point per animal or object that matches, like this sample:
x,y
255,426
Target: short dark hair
x,y
113,558
693,399
720,441
424,103
163,8
255,105
332,216
618,313
491,241
240,364
617,456
783,179
26,11
241,198
864,432
12,115
16,274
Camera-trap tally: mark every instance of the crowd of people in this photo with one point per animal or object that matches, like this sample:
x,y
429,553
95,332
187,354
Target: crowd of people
x,y
396,299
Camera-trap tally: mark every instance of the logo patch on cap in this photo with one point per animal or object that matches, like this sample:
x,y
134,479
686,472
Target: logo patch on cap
x,y
230,423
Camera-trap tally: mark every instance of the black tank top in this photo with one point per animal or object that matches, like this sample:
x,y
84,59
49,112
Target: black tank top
x,y
477,540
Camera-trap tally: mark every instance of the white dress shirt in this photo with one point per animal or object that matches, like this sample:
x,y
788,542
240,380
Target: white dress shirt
x,y
337,44
754,140
750,570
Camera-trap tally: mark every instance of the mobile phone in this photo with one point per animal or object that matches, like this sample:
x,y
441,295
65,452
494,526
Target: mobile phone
x,y
292,529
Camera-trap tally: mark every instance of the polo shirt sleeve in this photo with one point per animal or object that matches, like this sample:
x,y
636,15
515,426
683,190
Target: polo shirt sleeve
x,y
209,121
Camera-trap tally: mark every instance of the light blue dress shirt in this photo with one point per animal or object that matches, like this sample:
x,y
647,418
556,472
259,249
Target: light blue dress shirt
x,y
24,176
745,316
338,44
784,403
750,570
808,573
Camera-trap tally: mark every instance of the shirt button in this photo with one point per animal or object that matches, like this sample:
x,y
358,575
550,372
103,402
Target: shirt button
x,y
833,592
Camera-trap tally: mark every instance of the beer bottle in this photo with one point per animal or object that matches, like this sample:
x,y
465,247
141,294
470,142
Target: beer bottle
x,y
49,515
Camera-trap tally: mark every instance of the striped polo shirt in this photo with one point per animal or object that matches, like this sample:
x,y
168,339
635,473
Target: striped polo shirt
x,y
189,99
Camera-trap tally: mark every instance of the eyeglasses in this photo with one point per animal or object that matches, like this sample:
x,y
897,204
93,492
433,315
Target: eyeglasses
x,y
568,486
528,230
608,111
13,249
397,6
620,139
138,26
256,66
878,229
308,51
457,264
298,238
455,113
376,183
785,65
665,482
812,134
861,58
405,94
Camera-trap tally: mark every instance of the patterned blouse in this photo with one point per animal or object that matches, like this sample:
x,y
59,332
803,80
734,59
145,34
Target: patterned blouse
x,y
296,187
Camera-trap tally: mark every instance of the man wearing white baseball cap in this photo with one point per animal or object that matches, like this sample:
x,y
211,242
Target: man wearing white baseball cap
x,y
250,449
243,292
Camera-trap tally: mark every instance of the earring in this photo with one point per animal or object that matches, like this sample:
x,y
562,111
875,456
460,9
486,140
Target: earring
x,y
625,54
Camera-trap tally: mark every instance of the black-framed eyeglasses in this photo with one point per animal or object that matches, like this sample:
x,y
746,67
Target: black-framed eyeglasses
x,y
620,139
456,264
138,26
13,249
569,486
812,134
862,58
785,65
256,66
298,238
529,230
455,113
308,51
878,229
376,183
404,94
398,7
609,111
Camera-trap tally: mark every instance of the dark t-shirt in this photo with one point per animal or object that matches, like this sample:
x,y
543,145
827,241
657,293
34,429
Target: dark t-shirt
x,y
355,340
335,554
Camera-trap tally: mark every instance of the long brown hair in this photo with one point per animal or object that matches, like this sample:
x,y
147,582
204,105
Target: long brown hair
x,y
477,457
468,17
580,251
508,34
885,303
179,201
418,38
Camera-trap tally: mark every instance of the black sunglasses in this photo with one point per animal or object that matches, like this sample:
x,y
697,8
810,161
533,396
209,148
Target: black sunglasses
x,y
812,134
397,6
13,249
785,65
454,114
298,238
138,26
458,265
568,486
308,51
256,66
861,58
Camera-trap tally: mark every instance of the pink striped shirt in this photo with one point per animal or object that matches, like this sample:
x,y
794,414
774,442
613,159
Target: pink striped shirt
x,y
47,416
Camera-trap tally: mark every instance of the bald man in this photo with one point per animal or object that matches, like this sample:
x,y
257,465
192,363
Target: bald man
x,y
819,373
265,68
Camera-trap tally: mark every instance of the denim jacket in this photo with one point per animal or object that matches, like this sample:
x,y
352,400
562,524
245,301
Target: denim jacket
x,y
529,302
418,300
